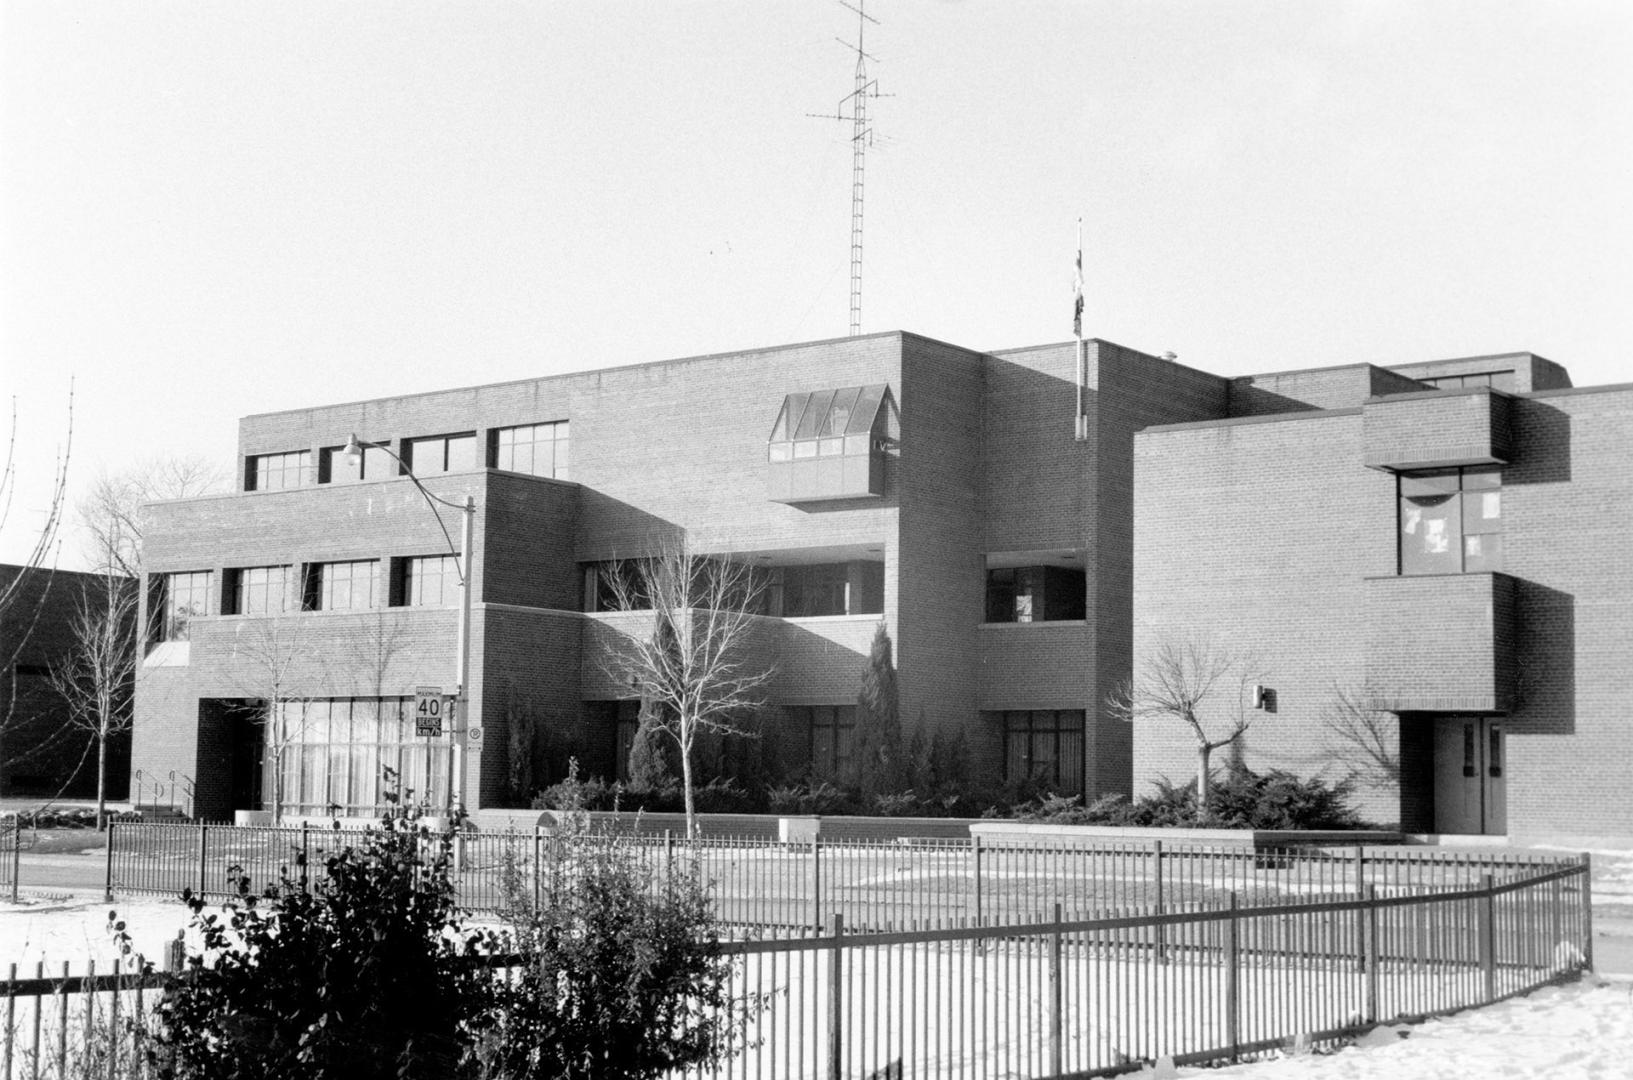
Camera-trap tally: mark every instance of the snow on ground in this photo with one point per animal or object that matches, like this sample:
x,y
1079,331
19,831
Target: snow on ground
x,y
1584,1030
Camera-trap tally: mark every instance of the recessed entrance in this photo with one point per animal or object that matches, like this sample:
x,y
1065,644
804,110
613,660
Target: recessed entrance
x,y
1470,759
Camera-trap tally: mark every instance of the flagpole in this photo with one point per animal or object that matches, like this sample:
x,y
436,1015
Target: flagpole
x,y
1080,427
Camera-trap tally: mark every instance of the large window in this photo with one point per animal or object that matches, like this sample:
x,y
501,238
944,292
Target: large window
x,y
849,588
1023,594
340,586
175,600
1045,745
333,753
425,581
539,449
258,590
1451,520
440,454
825,445
833,739
334,467
275,472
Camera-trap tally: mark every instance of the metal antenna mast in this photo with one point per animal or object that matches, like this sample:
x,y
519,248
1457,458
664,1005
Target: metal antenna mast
x,y
861,138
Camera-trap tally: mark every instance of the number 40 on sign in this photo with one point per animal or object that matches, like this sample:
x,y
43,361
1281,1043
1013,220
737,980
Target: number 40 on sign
x,y
429,705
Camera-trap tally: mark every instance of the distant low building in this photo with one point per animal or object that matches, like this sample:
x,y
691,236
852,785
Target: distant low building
x,y
41,754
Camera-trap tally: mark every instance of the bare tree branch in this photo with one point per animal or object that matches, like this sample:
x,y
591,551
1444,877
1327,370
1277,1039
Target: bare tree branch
x,y
114,512
96,679
1200,681
698,662
1366,741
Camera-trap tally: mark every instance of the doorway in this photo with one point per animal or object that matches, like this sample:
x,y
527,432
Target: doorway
x,y
1470,759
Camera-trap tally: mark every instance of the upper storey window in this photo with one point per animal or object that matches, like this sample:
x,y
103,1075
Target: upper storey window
x,y
539,449
1451,520
440,454
175,599
275,472
1499,380
827,445
334,467
257,590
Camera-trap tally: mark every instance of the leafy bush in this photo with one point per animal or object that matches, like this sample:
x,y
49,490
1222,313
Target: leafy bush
x,y
811,797
358,975
575,793
723,795
1281,800
620,970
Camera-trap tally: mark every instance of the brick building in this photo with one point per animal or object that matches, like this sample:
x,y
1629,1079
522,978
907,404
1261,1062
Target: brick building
x,y
41,753
1442,552
940,490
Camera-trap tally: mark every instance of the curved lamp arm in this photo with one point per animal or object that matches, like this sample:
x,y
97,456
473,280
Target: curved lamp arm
x,y
354,454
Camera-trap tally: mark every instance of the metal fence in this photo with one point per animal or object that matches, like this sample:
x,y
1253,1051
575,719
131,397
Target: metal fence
x,y
772,887
1058,997
11,849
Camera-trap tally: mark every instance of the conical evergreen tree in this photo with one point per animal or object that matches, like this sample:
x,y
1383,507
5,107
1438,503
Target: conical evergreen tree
x,y
881,759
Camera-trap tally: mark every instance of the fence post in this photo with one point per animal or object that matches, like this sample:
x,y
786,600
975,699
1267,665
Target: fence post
x,y
1587,910
836,1010
203,857
538,855
1054,996
107,871
16,856
1361,916
1162,901
1369,959
975,870
1487,930
1232,971
816,883
668,856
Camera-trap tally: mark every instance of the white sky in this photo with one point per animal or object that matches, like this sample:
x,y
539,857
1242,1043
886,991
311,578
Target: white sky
x,y
214,209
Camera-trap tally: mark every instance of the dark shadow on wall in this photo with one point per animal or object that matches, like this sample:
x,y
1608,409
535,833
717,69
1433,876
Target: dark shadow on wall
x,y
1541,449
1544,676
1246,399
621,530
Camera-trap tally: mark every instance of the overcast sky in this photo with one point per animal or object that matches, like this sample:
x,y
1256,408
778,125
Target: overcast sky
x,y
211,209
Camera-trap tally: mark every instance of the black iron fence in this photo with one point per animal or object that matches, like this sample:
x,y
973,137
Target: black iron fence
x,y
773,887
1046,998
11,845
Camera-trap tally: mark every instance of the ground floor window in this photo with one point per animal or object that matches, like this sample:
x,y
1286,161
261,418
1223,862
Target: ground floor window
x,y
329,756
1045,745
833,738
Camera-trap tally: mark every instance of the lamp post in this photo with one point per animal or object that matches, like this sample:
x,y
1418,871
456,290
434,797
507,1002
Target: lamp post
x,y
462,563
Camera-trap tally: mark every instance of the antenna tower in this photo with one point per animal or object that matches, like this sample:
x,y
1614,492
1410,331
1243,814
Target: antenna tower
x,y
861,137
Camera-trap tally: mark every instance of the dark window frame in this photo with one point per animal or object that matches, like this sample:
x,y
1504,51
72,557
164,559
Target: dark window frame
x,y
1040,730
1458,504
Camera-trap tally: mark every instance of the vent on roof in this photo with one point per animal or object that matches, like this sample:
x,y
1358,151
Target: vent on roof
x,y
828,445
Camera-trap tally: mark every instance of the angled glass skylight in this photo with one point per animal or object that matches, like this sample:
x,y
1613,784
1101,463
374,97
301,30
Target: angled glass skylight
x,y
826,445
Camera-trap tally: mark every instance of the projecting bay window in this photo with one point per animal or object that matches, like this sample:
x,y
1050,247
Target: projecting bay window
x,y
257,590
332,753
425,581
174,600
438,454
1451,520
537,449
277,472
829,445
1045,746
340,586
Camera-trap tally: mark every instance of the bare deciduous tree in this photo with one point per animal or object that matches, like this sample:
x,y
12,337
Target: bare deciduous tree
x,y
1200,682
96,678
1366,741
273,649
114,512
697,664
23,593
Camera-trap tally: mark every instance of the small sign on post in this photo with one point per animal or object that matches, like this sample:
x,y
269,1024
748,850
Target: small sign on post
x,y
473,736
428,708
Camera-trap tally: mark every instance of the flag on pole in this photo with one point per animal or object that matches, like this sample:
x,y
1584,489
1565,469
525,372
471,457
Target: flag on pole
x,y
1077,286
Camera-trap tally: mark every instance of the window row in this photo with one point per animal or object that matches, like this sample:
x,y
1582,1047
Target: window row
x,y
353,585
1501,380
536,449
817,589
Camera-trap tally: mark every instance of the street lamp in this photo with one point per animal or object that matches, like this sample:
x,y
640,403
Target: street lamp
x,y
456,764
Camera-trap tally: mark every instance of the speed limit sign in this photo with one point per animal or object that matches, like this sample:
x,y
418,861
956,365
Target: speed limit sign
x,y
428,708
